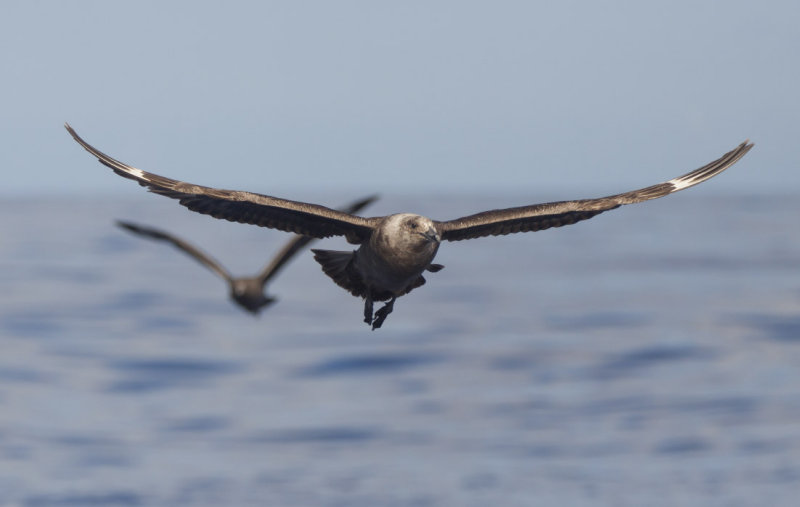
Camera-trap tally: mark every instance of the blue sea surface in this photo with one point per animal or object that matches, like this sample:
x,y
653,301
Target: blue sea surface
x,y
648,356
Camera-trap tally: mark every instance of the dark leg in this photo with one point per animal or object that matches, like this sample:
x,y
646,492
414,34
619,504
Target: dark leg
x,y
368,309
381,314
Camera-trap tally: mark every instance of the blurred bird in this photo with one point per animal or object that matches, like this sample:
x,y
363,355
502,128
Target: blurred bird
x,y
395,250
247,292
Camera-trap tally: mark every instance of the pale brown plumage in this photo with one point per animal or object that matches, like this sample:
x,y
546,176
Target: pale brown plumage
x,y
378,270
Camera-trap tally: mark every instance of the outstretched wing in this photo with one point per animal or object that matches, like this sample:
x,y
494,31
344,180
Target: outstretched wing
x,y
555,214
299,242
187,248
245,207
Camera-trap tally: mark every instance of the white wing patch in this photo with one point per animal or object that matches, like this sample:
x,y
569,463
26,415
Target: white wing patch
x,y
136,172
681,183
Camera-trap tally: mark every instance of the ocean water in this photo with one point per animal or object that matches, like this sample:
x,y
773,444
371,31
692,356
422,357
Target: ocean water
x,y
648,356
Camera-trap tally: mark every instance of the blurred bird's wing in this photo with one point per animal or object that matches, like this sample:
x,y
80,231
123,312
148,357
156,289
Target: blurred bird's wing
x,y
182,245
299,242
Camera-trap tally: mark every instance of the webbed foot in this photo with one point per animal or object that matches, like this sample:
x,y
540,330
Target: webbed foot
x,y
382,313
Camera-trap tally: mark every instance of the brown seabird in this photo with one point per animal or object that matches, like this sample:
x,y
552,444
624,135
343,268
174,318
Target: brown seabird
x,y
247,292
394,250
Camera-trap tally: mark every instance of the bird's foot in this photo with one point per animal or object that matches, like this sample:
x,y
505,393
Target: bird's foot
x,y
382,313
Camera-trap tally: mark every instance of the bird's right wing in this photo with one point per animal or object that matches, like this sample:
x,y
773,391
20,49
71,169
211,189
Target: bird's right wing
x,y
245,207
299,242
182,245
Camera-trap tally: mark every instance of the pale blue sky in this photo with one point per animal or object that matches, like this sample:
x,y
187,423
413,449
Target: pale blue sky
x,y
275,97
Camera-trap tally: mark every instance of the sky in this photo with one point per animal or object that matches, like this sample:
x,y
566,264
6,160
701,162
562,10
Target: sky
x,y
399,97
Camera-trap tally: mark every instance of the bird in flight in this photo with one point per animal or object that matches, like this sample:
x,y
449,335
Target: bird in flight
x,y
247,292
395,250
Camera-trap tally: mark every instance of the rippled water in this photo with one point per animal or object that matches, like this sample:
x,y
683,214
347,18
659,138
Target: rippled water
x,y
649,356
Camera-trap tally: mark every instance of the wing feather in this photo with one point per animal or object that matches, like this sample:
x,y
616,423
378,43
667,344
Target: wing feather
x,y
245,207
555,214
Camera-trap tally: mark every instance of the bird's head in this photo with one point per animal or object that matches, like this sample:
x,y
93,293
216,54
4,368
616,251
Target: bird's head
x,y
407,233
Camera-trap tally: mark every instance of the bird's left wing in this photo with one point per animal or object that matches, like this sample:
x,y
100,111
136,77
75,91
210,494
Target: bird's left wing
x,y
245,207
555,214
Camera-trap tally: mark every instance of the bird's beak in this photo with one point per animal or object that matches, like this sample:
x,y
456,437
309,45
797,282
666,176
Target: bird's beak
x,y
432,235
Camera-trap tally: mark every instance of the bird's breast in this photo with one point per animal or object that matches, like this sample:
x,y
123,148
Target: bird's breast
x,y
390,269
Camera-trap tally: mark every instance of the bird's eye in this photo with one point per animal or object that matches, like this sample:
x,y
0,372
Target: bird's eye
x,y
413,225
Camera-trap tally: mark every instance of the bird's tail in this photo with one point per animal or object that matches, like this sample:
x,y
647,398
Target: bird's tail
x,y
338,266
